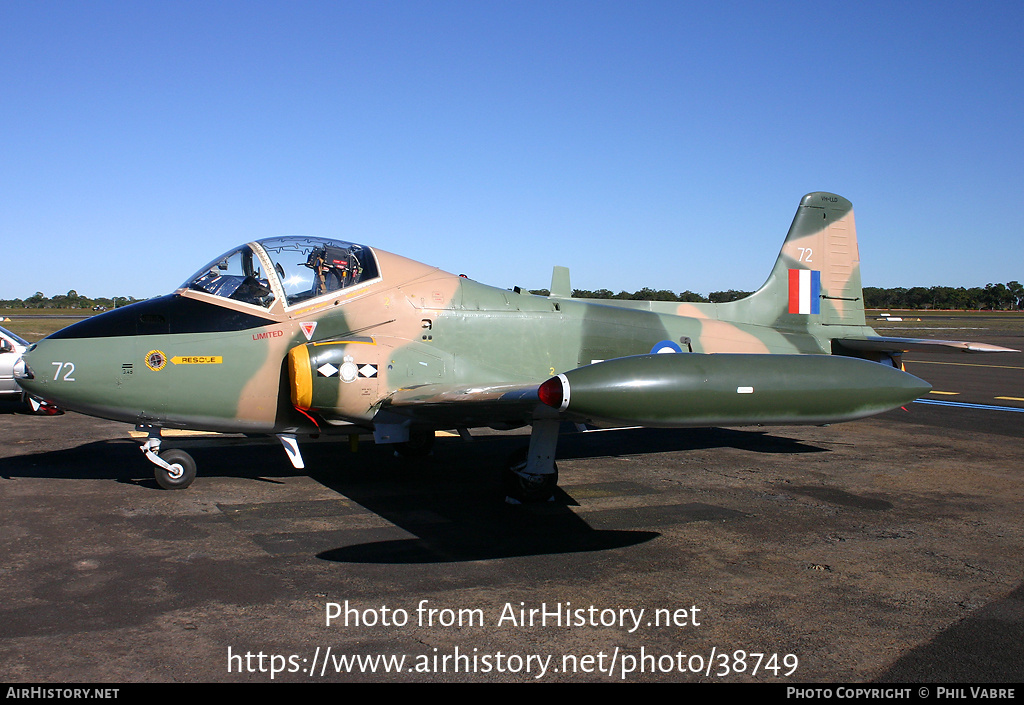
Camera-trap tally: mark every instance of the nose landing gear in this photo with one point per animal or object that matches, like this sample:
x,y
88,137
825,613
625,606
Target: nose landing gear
x,y
175,469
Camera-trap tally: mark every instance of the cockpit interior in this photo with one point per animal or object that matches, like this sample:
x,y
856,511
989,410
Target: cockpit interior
x,y
292,268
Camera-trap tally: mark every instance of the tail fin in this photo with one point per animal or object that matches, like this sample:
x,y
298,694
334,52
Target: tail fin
x,y
816,279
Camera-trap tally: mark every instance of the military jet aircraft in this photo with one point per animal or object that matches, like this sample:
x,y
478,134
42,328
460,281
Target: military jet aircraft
x,y
296,336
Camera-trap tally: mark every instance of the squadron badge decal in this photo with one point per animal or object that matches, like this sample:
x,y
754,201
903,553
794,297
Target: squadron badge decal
x,y
156,360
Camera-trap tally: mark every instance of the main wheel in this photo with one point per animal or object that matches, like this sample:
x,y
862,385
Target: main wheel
x,y
527,488
420,443
182,472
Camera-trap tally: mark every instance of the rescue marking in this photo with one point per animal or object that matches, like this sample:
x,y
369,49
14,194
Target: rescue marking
x,y
307,328
197,360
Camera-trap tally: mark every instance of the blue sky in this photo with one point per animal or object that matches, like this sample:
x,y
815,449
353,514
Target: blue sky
x,y
662,144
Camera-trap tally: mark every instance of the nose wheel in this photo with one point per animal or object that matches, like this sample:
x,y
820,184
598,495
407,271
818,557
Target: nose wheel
x,y
175,469
180,470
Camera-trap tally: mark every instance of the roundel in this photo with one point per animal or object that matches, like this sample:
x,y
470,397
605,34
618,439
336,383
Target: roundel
x,y
666,346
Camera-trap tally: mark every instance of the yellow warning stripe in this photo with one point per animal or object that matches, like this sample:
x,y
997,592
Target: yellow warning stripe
x,y
174,433
371,341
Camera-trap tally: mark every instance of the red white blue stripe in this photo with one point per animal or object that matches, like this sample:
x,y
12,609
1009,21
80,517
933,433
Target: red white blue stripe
x,y
804,291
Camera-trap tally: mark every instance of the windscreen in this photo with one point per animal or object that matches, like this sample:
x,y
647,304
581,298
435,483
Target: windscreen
x,y
235,275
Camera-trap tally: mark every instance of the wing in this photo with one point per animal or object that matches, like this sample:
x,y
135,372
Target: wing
x,y
452,406
684,389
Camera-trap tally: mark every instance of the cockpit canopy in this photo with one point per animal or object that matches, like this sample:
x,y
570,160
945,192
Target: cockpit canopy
x,y
294,267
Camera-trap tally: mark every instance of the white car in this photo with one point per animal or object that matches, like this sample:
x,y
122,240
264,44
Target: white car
x,y
11,348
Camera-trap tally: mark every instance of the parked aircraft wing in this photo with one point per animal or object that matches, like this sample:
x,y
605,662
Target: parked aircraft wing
x,y
887,344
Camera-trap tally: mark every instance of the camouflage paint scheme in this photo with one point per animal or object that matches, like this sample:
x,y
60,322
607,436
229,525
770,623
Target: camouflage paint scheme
x,y
410,348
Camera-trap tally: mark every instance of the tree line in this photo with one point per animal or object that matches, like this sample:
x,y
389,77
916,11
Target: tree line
x,y
993,297
72,299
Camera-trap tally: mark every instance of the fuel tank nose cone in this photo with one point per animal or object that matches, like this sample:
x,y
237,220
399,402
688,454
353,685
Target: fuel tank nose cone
x,y
555,392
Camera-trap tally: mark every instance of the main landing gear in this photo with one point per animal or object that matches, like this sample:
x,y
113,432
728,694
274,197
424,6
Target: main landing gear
x,y
419,445
523,487
531,475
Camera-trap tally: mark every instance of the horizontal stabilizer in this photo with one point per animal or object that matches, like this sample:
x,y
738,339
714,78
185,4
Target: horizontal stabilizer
x,y
886,344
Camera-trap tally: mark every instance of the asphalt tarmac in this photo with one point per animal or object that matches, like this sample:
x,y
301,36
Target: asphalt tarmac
x,y
888,550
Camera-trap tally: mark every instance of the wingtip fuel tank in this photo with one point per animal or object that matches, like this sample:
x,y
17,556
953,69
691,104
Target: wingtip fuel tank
x,y
687,389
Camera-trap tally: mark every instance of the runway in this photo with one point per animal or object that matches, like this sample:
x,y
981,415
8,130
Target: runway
x,y
884,550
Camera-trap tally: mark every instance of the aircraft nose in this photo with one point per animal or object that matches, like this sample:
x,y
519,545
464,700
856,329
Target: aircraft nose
x,y
58,372
22,370
45,369
25,371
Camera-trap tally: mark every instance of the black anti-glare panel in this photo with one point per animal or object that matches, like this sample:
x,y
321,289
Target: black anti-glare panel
x,y
161,316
